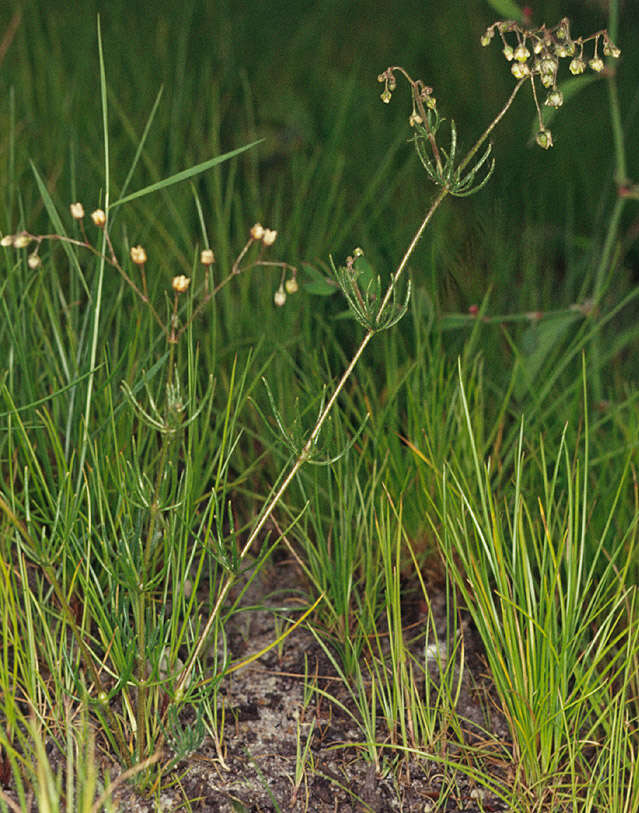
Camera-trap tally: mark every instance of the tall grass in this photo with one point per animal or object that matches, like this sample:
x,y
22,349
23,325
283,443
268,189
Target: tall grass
x,y
547,589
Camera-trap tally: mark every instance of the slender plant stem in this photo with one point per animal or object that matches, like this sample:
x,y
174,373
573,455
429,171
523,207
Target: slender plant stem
x,y
612,232
306,451
492,125
87,655
147,572
310,443
97,302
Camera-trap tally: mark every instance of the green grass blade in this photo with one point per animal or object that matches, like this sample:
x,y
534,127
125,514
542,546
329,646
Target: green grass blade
x,y
185,174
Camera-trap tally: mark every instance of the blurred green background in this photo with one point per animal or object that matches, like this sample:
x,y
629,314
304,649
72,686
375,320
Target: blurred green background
x,y
303,77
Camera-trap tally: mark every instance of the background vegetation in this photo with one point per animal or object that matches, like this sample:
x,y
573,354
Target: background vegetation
x,y
499,417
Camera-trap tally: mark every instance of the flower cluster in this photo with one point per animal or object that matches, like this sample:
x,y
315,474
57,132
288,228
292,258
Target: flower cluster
x,y
267,236
422,95
440,163
536,52
98,216
22,240
180,283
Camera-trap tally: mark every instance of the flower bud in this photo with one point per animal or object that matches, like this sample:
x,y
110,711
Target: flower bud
x,y
291,286
487,36
548,65
521,53
257,231
508,53
180,284
596,64
207,257
564,49
554,99
280,297
21,240
577,66
33,261
414,119
385,95
99,218
7,240
544,139
547,79
610,49
77,210
268,238
138,255
519,70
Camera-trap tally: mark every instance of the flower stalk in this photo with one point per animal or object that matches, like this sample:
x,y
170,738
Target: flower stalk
x,y
421,95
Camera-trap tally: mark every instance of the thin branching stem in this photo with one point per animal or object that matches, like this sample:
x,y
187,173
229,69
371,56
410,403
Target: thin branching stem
x,y
304,454
235,271
492,125
416,89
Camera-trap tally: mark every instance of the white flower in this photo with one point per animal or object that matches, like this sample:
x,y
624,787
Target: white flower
x,y
257,231
77,210
138,255
268,238
21,240
180,284
99,218
207,257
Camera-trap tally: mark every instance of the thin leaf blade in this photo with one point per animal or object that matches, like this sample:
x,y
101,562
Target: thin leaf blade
x,y
185,174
